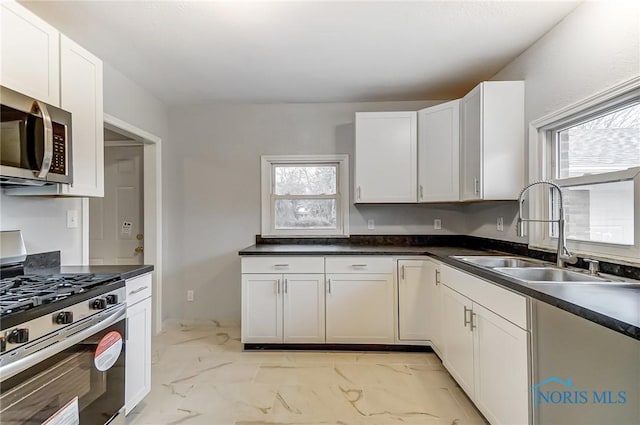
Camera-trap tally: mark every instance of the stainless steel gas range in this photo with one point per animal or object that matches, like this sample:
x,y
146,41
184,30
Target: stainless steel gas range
x,y
62,349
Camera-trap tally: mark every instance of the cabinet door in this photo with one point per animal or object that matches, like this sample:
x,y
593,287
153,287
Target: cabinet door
x,y
81,94
303,308
439,153
30,54
138,353
359,308
385,157
261,308
501,378
431,278
458,338
413,301
471,145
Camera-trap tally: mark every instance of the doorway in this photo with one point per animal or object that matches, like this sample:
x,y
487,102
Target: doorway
x,y
116,221
121,134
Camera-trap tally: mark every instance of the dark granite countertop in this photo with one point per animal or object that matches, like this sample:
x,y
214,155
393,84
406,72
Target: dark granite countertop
x,y
617,308
125,271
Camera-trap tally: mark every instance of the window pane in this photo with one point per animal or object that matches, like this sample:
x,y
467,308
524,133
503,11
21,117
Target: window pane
x,y
600,212
306,214
302,180
607,143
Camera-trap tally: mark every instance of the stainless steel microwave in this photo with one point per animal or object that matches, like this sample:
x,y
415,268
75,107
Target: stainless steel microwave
x,y
35,142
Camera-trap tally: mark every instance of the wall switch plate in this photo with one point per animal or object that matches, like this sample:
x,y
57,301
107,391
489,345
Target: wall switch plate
x,y
72,219
190,295
437,224
500,224
370,224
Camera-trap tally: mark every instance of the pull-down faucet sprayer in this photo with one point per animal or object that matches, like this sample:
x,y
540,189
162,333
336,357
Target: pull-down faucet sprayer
x,y
564,256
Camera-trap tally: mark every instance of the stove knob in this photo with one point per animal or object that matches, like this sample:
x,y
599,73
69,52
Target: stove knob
x,y
63,318
18,336
99,304
112,299
3,344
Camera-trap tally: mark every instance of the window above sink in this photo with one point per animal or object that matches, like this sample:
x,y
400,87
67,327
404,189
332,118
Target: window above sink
x,y
591,150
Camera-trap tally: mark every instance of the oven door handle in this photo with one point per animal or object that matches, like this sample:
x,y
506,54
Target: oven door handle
x,y
61,342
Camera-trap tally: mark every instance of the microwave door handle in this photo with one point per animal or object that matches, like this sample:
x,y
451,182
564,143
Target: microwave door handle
x,y
48,138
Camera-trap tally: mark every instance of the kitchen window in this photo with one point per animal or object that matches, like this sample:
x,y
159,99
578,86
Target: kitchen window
x,y
305,195
592,151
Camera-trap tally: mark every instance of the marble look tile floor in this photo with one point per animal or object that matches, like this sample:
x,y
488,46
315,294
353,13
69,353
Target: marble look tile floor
x,y
200,375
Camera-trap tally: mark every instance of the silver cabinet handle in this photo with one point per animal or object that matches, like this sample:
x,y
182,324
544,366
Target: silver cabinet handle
x,y
467,310
285,286
473,322
437,277
359,190
421,192
47,156
476,186
359,266
138,290
402,272
329,285
280,266
278,286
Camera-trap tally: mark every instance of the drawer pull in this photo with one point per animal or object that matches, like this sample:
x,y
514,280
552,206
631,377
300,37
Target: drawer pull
x,y
138,290
358,266
279,266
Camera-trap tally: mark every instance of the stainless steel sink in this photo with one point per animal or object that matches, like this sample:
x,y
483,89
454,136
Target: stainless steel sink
x,y
548,274
499,261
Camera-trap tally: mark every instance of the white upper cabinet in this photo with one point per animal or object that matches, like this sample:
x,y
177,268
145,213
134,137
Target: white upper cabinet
x,y
30,54
385,157
492,141
82,95
439,153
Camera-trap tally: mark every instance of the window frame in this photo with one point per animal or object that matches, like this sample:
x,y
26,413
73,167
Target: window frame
x,y
268,196
542,166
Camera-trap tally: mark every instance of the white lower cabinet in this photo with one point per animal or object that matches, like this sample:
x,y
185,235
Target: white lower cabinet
x,y
279,308
458,338
360,308
138,348
487,355
413,300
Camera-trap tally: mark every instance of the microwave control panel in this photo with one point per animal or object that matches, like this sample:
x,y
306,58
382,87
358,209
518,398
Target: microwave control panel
x,y
59,160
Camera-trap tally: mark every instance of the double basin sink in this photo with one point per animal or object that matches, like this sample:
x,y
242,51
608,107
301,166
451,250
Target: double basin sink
x,y
538,272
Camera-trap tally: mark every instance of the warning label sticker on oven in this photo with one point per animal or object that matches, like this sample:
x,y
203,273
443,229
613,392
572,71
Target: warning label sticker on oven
x,y
108,351
69,414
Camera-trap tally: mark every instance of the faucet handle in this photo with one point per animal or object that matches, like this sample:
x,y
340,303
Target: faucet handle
x,y
594,266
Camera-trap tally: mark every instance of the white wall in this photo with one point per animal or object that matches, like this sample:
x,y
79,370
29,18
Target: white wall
x,y
212,190
595,47
43,222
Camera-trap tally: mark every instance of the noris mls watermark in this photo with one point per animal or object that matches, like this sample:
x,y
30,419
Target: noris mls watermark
x,y
573,395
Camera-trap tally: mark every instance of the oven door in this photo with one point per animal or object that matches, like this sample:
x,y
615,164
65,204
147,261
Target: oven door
x,y
76,378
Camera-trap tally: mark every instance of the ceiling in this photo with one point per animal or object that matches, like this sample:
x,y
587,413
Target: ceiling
x,y
308,51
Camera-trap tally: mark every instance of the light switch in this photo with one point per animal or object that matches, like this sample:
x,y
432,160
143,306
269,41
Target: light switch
x,y
72,219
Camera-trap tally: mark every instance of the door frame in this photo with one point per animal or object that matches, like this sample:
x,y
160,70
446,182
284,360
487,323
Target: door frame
x,y
152,159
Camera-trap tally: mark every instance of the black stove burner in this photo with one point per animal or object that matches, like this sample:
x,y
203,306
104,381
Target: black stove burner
x,y
28,291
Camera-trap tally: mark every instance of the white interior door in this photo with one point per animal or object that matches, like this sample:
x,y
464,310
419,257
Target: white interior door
x,y
116,221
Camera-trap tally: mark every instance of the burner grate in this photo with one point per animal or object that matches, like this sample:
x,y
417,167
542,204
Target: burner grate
x,y
24,292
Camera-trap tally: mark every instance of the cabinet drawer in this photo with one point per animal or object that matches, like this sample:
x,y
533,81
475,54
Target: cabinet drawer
x,y
283,265
138,288
503,302
359,265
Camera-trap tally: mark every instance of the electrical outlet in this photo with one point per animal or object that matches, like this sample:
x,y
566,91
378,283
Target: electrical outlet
x,y
437,224
370,224
190,295
500,224
72,219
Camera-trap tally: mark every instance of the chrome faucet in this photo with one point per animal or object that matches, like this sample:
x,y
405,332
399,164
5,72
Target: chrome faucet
x,y
564,256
